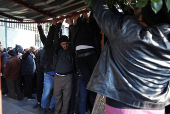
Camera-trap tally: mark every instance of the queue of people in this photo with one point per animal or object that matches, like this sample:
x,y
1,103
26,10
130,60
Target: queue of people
x,y
132,71
64,66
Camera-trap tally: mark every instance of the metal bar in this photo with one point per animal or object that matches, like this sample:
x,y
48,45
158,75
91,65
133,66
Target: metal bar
x,y
0,88
33,8
9,16
48,21
5,33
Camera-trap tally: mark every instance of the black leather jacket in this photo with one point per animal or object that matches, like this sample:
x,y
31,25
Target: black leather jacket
x,y
134,67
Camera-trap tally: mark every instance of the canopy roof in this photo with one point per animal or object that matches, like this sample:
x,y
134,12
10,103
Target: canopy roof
x,y
38,10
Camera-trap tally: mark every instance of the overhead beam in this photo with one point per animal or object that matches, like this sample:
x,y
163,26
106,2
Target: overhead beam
x,y
33,8
11,17
44,3
48,21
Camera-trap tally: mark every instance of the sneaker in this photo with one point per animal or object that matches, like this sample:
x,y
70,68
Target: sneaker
x,y
30,98
37,105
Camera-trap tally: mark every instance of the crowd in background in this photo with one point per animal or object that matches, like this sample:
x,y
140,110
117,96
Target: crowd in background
x,y
61,69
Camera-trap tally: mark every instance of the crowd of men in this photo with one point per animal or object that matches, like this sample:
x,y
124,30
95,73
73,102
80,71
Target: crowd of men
x,y
62,67
132,71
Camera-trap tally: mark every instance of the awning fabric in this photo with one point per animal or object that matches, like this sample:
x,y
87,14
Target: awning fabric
x,y
38,10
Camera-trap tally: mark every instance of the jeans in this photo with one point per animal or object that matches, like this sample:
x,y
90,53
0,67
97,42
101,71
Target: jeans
x,y
48,86
83,95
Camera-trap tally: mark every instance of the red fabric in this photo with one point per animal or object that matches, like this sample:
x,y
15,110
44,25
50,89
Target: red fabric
x,y
112,110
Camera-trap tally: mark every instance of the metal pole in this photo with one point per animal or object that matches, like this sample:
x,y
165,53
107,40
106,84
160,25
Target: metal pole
x,y
5,33
0,88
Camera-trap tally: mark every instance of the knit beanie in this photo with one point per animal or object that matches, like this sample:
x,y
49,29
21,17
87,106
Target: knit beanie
x,y
12,53
63,38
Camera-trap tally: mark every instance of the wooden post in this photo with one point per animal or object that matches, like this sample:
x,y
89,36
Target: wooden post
x,y
0,86
99,105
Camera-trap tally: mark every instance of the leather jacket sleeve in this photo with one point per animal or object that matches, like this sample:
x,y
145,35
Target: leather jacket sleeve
x,y
42,35
56,45
57,34
24,57
50,37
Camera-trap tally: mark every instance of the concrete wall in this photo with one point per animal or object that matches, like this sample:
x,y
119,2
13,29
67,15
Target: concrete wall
x,y
25,38
2,36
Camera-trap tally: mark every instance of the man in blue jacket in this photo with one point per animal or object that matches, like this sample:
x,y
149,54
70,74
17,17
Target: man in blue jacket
x,y
27,69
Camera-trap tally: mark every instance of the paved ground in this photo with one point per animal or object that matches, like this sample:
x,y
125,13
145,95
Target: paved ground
x,y
12,106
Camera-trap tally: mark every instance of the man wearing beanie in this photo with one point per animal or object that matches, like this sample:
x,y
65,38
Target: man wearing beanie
x,y
12,73
63,66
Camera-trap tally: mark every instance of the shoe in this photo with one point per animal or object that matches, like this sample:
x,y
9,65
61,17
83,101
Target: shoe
x,y
44,111
51,111
30,98
37,105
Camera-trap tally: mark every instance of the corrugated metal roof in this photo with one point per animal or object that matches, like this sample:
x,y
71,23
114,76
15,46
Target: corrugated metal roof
x,y
38,10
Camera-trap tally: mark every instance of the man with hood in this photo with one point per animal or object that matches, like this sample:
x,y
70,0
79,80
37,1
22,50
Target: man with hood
x,y
12,73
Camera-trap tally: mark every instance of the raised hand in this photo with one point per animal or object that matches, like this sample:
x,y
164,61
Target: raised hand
x,y
76,18
54,21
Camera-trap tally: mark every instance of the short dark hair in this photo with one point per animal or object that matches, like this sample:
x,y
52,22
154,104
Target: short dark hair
x,y
9,48
63,38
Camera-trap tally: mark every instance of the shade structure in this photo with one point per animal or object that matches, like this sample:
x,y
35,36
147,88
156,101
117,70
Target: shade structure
x,y
38,10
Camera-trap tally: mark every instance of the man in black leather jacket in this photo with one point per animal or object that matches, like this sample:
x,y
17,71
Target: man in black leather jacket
x,y
133,70
49,73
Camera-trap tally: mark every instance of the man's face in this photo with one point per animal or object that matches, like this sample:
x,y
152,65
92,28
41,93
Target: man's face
x,y
64,45
1,48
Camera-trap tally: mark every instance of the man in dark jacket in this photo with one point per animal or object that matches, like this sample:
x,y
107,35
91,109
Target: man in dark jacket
x,y
49,73
4,59
28,65
12,73
40,58
85,47
63,66
133,70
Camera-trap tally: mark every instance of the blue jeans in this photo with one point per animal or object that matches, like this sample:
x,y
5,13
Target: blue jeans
x,y
48,86
83,95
